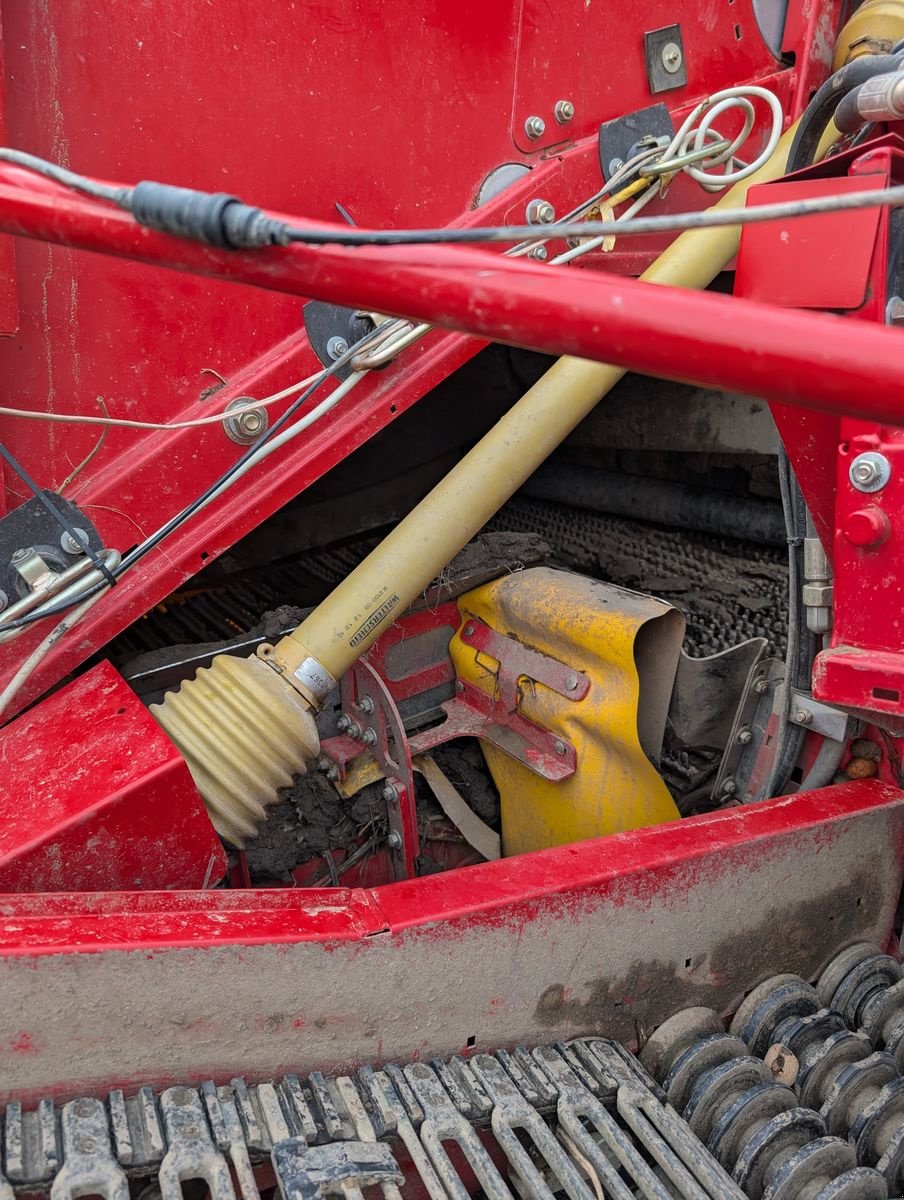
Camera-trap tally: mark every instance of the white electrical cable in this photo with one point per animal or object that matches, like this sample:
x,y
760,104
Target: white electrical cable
x,y
216,418
693,137
41,651
305,422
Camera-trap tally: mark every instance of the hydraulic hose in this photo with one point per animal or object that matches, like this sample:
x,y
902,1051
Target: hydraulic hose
x,y
821,109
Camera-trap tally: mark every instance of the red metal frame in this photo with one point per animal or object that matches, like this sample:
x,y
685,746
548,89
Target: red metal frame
x,y
114,807
93,327
538,947
863,666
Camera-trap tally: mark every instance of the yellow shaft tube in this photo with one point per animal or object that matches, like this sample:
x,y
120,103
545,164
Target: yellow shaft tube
x,y
355,614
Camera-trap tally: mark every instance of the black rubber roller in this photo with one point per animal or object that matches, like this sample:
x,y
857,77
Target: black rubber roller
x,y
854,981
839,1073
767,1006
755,1127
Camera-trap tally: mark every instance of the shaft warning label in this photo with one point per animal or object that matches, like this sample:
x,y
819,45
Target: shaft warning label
x,y
373,621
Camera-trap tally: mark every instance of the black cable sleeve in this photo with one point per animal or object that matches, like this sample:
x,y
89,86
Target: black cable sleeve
x,y
216,218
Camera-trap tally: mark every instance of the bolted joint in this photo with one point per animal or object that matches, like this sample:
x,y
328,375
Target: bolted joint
x,y
534,127
563,111
394,840
817,595
870,472
540,212
369,737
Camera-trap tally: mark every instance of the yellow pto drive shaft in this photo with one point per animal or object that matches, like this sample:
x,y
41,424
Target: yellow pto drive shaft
x,y
245,725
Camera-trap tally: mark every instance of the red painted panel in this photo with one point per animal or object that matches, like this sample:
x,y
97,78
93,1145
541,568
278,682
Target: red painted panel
x,y
93,795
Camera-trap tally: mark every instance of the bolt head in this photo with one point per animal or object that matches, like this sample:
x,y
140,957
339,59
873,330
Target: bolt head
x,y
389,794
540,212
333,773
366,705
369,737
18,555
729,787
760,686
560,748
354,729
394,840
803,716
745,737
251,422
672,58
869,472
539,252
69,543
469,631
343,723
336,347
564,111
534,127
571,683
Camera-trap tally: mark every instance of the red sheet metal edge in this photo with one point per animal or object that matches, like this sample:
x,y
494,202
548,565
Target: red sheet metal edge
x,y
604,936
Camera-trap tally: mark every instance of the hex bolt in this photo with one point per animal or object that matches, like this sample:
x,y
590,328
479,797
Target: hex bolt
x,y
571,683
539,252
369,737
244,427
389,794
803,716
760,686
366,705
323,763
469,630
343,723
672,58
354,730
729,787
563,111
534,127
394,840
74,545
745,737
539,212
18,555
870,472
336,347
615,164
4,600
561,748
333,772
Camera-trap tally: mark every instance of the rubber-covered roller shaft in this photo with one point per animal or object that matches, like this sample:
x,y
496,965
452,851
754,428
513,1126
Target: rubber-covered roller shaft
x,y
839,1073
774,1148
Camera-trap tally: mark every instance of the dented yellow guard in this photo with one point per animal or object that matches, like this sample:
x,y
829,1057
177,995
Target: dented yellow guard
x,y
628,645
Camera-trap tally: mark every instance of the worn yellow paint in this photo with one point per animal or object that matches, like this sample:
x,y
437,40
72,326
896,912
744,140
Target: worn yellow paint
x,y
593,627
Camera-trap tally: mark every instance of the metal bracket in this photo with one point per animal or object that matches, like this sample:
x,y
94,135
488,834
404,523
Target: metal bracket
x,y
663,54
331,329
735,780
343,1168
495,717
831,722
370,720
619,139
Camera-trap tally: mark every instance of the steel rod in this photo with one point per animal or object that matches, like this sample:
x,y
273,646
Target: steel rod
x,y
799,358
